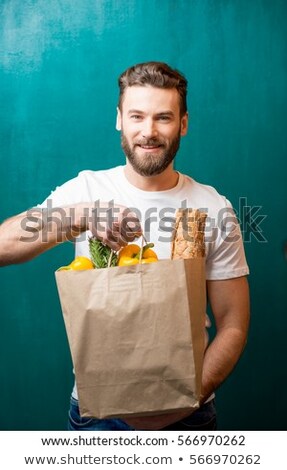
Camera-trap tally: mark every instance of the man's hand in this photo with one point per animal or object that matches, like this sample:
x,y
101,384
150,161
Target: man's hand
x,y
114,225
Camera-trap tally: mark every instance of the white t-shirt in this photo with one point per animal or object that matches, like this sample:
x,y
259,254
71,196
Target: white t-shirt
x,y
225,258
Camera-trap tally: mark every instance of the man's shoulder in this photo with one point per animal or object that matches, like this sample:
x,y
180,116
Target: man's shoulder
x,y
87,185
204,192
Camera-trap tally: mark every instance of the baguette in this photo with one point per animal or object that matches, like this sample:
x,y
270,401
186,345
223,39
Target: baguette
x,y
188,237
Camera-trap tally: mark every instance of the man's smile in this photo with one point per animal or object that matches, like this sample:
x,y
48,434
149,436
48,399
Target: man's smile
x,y
149,148
150,145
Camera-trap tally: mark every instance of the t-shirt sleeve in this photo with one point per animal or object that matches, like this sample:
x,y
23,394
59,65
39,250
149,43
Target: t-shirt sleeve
x,y
72,192
69,193
224,247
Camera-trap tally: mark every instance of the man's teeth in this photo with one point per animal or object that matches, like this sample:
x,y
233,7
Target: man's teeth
x,y
149,146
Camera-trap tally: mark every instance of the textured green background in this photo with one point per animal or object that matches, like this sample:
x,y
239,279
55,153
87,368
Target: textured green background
x,y
59,64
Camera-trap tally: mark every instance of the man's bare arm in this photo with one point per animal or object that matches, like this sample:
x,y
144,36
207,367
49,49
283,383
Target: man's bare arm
x,y
30,233
229,301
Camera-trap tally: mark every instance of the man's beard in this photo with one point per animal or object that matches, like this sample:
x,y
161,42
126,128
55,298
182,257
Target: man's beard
x,y
150,164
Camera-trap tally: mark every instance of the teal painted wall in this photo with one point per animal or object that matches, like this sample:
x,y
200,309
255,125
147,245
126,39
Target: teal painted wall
x,y
58,91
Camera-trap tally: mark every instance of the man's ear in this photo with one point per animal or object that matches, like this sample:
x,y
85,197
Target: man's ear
x,y
119,120
184,124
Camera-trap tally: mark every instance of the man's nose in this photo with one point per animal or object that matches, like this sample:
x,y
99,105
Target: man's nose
x,y
149,128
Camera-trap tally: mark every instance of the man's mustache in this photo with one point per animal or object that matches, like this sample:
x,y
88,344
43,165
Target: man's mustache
x,y
149,142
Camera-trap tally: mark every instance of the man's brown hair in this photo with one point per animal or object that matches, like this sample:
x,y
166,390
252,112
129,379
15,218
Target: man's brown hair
x,y
156,74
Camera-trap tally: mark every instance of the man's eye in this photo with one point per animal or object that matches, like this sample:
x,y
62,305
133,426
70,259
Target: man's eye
x,y
164,118
135,117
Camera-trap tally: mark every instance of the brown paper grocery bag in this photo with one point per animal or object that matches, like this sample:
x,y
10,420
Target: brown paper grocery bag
x,y
136,336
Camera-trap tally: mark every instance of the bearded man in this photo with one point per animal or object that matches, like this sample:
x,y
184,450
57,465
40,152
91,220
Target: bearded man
x,y
152,117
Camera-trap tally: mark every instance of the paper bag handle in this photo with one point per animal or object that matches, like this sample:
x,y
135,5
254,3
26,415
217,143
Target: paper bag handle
x,y
143,239
142,245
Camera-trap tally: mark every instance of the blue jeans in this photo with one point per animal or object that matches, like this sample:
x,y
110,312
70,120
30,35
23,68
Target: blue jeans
x,y
203,419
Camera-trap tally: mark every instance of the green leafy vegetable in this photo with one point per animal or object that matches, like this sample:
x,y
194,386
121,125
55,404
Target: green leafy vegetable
x,y
101,254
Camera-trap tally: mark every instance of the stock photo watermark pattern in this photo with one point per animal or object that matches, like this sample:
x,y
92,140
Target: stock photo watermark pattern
x,y
39,222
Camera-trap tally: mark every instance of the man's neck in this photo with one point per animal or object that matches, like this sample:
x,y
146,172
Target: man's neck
x,y
168,179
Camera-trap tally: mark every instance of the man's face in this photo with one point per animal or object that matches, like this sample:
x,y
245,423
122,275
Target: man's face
x,y
151,128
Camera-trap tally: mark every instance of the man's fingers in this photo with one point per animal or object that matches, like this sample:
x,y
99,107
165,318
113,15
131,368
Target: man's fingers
x,y
117,229
130,227
114,239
